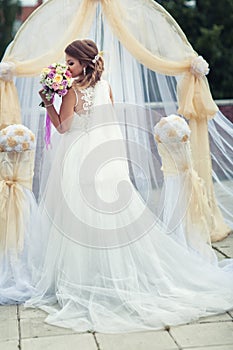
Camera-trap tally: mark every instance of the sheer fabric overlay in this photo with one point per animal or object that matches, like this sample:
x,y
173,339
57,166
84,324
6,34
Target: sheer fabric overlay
x,y
108,262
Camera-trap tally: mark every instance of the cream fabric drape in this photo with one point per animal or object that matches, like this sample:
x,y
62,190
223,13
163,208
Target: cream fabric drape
x,y
78,17
9,104
195,100
16,173
202,163
194,97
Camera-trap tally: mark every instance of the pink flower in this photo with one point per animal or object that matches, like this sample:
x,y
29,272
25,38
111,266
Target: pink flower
x,y
55,86
68,74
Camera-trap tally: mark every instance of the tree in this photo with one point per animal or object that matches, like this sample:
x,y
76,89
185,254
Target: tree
x,y
8,11
208,27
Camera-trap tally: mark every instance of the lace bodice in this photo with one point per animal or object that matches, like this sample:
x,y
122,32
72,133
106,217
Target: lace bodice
x,y
88,97
92,96
86,100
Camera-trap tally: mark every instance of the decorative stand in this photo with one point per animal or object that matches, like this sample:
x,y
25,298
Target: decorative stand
x,y
18,217
185,209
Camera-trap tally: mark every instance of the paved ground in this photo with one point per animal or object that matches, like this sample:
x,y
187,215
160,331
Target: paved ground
x,y
24,329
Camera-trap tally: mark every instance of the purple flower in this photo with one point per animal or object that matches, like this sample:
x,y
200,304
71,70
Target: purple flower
x,y
51,75
62,92
55,86
64,83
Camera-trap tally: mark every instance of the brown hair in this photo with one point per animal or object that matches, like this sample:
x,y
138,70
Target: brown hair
x,y
85,51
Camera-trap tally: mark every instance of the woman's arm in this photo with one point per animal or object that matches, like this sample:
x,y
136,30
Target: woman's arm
x,y
110,94
63,119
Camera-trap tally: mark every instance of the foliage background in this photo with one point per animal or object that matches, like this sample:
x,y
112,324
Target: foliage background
x,y
208,26
9,9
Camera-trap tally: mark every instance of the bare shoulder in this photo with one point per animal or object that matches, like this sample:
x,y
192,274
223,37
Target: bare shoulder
x,y
70,93
69,98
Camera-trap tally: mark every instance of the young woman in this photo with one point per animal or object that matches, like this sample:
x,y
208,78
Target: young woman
x,y
88,73
107,263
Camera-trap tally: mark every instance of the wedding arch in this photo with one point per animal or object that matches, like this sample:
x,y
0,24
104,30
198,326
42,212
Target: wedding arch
x,y
148,62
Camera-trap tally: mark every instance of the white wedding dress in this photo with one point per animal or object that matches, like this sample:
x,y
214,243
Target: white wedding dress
x,y
107,263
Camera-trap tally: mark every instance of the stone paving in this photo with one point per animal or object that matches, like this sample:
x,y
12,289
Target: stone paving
x,y
24,329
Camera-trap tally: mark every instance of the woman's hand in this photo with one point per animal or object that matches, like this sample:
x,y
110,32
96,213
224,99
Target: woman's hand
x,y
42,95
45,102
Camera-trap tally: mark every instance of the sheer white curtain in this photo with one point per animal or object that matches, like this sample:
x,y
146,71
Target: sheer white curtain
x,y
135,85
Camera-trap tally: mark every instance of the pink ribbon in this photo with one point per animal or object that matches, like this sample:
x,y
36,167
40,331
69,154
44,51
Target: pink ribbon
x,y
48,129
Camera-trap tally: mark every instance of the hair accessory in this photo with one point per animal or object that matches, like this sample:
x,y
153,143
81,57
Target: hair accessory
x,y
84,71
96,58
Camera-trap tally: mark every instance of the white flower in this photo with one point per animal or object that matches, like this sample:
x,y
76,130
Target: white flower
x,y
6,71
9,149
19,139
172,129
49,82
3,139
27,138
18,148
199,67
10,132
95,59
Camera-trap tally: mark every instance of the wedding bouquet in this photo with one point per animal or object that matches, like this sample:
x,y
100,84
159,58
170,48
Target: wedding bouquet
x,y
55,79
171,129
16,138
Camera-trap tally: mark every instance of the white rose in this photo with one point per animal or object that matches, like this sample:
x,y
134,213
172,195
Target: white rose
x,y
6,71
199,66
9,149
18,148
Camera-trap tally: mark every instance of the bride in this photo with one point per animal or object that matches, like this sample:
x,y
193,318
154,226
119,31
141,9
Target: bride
x,y
107,263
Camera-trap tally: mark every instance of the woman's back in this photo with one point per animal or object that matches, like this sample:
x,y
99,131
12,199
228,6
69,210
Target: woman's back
x,y
92,96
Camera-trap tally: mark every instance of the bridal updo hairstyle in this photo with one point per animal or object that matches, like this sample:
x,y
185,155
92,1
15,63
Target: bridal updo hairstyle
x,y
85,52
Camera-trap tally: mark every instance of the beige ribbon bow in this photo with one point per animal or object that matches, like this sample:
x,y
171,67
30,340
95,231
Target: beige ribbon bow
x,y
16,171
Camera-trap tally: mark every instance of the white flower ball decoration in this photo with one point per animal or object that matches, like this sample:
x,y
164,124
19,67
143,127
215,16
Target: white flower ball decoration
x,y
171,129
16,138
199,66
6,71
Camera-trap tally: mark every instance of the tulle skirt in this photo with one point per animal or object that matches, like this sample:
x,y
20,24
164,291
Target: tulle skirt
x,y
107,262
